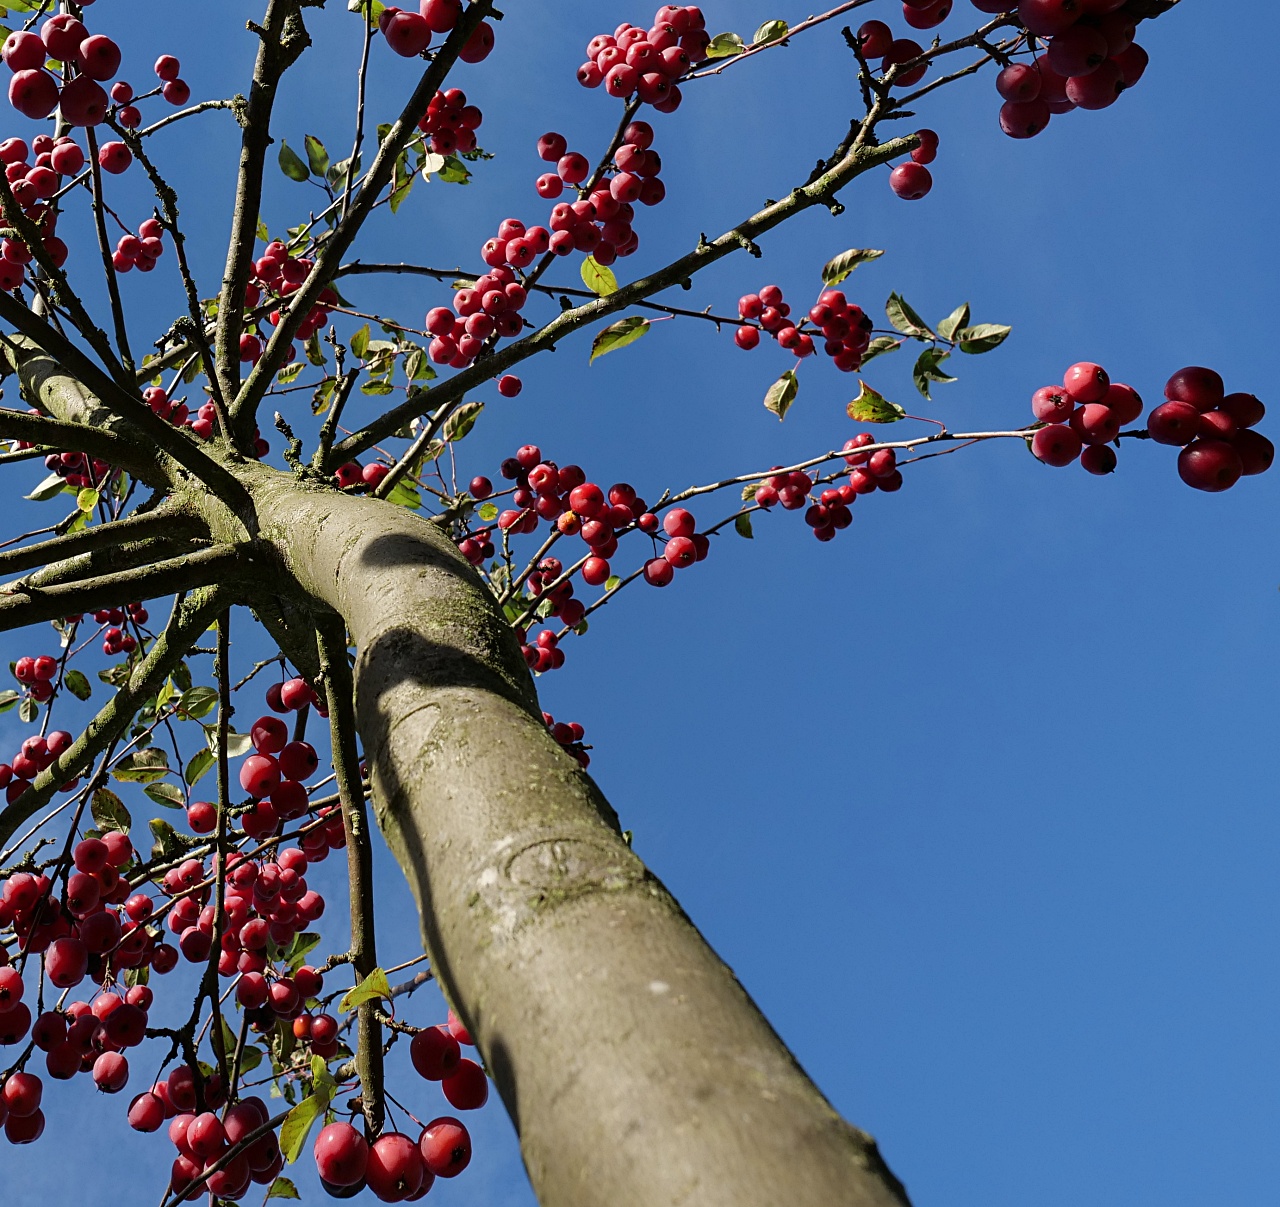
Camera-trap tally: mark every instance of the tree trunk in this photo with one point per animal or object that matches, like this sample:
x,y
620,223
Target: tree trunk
x,y
637,1071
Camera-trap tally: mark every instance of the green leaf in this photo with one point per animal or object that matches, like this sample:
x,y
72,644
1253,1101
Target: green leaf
x,y
336,176
742,526
598,278
360,342
291,165
982,337
8,699
905,319
486,511
879,346
377,388
405,494
51,486
870,407
290,372
375,985
142,766
454,171
200,763
315,353
402,183
169,844
78,685
167,795
262,231
317,156
461,421
28,710
770,31
782,394
927,370
958,318
749,490
197,702
250,1058
724,46
87,499
282,1188
374,10
109,812
300,948
136,976
297,1123
839,267
618,335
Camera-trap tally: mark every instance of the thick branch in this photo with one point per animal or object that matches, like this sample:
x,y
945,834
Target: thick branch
x,y
188,621
164,522
282,38
75,438
820,192
339,691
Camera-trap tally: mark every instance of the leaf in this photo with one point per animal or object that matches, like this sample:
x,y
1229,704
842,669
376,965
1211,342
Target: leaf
x,y
905,319
87,499
618,335
168,842
250,1058
374,9
315,353
982,338
405,494
197,702
290,372
167,795
360,342
375,985
958,318
8,699
282,1188
238,744
454,171
109,812
770,31
51,486
461,421
926,369
317,156
142,766
300,948
742,526
262,232
598,278
724,46
749,491
200,763
78,685
28,710
870,407
782,394
431,164
136,976
297,1123
291,165
336,176
377,388
879,346
836,269
486,511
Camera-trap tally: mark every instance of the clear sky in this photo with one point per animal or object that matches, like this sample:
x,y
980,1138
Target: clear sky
x,y
978,800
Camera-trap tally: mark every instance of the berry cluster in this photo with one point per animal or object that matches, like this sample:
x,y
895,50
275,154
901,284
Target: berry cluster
x,y
845,329
570,736
36,752
1213,428
646,63
1085,414
277,274
77,469
409,33
451,123
202,1139
140,251
114,639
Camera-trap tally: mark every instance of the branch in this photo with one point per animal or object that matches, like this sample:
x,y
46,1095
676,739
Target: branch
x,y
189,619
335,246
859,159
163,522
76,438
22,603
339,692
104,250
282,38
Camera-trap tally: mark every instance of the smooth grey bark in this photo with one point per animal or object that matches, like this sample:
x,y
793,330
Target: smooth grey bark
x,y
636,1069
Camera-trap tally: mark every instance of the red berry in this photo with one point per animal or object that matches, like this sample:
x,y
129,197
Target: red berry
x,y
1056,445
1174,423
341,1155
467,1088
1201,387
1211,465
394,1170
911,181
445,1146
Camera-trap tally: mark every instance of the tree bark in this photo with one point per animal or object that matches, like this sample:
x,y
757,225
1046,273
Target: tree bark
x,y
636,1069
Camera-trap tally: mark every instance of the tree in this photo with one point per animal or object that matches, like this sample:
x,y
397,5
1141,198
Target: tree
x,y
523,878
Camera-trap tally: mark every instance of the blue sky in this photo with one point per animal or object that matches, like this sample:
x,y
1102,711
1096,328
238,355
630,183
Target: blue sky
x,y
976,799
